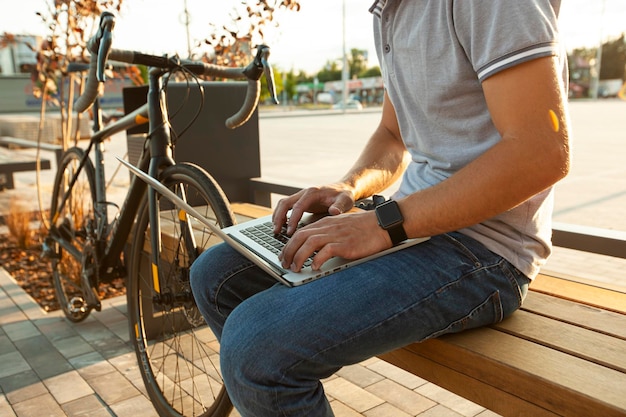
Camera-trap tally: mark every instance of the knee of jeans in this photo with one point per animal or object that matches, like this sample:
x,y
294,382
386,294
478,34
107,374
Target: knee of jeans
x,y
201,269
248,349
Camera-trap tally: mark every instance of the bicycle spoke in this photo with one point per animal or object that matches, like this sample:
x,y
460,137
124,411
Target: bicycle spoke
x,y
179,353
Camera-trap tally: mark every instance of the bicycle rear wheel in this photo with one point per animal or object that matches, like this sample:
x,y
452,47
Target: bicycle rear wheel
x,y
71,224
177,352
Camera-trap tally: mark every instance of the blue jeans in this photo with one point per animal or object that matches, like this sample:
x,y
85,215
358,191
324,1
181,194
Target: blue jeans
x,y
278,342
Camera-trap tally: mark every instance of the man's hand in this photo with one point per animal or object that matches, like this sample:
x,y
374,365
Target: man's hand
x,y
332,199
350,236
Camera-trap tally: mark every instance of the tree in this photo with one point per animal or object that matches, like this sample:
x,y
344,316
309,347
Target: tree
x,y
330,72
357,62
613,59
231,43
70,24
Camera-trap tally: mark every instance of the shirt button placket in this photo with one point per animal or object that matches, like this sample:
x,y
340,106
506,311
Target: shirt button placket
x,y
387,24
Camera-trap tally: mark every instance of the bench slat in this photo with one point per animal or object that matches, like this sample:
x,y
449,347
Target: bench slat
x,y
464,385
603,321
545,377
583,343
582,293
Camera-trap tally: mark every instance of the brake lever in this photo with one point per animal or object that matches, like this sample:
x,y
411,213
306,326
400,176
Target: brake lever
x,y
105,40
269,72
260,66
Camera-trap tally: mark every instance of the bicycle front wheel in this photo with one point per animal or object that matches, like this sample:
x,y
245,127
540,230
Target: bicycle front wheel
x,y
177,352
72,216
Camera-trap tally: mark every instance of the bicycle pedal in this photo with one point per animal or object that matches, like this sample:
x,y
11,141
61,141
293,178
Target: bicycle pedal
x,y
47,252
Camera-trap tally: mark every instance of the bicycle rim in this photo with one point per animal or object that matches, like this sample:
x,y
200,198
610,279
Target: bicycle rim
x,y
71,222
177,352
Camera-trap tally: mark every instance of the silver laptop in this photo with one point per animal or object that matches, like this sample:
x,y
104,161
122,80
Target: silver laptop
x,y
256,241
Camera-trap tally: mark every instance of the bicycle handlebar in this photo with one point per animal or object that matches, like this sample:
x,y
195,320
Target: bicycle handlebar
x,y
100,48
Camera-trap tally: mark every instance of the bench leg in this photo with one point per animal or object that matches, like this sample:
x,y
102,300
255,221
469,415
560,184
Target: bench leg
x,y
6,181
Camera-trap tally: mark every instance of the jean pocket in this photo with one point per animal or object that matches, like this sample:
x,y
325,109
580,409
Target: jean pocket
x,y
488,312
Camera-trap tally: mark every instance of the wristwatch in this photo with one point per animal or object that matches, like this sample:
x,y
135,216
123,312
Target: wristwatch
x,y
390,218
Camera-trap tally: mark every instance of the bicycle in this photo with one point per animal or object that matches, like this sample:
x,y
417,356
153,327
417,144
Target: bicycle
x,y
175,349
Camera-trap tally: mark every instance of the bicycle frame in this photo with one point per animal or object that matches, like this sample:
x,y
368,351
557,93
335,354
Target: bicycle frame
x,y
153,160
104,242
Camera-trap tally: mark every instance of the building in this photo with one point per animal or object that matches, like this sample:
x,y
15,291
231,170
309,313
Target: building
x,y
18,54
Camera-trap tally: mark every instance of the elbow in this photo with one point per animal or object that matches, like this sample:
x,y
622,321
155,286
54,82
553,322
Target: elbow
x,y
559,160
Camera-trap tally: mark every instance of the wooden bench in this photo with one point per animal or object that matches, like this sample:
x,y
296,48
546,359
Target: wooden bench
x,y
12,142
11,162
562,354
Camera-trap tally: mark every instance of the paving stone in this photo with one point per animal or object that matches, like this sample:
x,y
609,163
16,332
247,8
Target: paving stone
x,y
41,406
21,330
91,406
73,346
360,375
91,365
401,397
56,328
113,388
92,330
488,413
5,407
394,373
12,363
136,406
68,387
45,360
23,386
440,411
111,347
450,400
352,395
342,410
6,346
386,410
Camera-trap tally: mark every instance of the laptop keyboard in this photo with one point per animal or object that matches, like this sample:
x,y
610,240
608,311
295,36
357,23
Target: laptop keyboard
x,y
264,235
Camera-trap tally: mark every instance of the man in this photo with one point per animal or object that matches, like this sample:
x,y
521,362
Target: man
x,y
475,121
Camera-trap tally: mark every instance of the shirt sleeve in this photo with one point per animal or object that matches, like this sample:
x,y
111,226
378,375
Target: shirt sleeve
x,y
497,35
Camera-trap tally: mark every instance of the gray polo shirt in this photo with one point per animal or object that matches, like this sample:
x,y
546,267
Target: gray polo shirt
x,y
434,55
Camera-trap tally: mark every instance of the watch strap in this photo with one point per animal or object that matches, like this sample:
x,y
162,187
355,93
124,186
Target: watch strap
x,y
397,234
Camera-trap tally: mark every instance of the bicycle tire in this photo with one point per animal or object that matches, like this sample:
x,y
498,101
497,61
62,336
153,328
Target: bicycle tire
x,y
72,222
178,355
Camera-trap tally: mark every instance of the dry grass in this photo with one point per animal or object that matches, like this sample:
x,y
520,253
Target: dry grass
x,y
18,222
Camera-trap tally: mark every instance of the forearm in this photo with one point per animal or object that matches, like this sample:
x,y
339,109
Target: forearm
x,y
380,164
502,178
382,161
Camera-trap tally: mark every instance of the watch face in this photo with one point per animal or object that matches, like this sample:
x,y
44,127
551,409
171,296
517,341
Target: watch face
x,y
389,214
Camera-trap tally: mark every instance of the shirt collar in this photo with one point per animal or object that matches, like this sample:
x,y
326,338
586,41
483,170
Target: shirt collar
x,y
377,7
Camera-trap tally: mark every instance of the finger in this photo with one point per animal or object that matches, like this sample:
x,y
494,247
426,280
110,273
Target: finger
x,y
342,204
279,216
297,211
322,255
307,250
291,249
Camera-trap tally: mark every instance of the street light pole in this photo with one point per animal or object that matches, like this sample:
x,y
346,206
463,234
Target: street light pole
x,y
598,64
344,71
187,21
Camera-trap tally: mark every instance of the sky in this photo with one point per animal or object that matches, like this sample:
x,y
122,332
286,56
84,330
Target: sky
x,y
305,40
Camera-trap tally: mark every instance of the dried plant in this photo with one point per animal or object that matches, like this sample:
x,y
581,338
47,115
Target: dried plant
x,y
18,222
231,43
